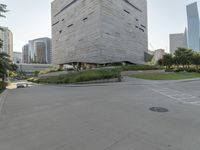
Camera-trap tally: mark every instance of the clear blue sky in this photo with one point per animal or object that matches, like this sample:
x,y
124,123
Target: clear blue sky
x,y
29,19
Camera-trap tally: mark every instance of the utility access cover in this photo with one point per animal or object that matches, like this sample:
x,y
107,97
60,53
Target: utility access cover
x,y
159,109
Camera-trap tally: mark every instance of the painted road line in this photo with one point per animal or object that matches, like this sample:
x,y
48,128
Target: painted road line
x,y
177,95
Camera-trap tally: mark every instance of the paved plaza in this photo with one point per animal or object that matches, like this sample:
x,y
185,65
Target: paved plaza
x,y
112,116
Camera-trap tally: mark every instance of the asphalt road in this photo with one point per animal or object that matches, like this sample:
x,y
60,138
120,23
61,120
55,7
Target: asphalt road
x,y
103,117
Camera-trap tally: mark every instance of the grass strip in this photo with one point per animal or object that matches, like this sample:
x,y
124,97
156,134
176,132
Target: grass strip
x,y
166,76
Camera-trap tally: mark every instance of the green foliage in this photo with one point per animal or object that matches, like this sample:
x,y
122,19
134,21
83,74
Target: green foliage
x,y
167,61
79,76
13,74
5,63
54,69
139,67
36,73
5,66
33,79
196,60
90,75
183,56
1,42
3,9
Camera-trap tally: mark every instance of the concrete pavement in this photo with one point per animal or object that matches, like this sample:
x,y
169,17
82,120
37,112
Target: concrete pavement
x,y
113,116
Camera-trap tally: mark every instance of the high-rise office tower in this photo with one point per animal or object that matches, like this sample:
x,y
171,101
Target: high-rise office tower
x,y
99,31
25,54
38,51
177,40
7,40
193,27
17,57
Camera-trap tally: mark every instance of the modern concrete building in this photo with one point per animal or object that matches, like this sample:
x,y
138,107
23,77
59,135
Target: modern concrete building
x,y
17,57
177,40
157,55
99,31
38,51
193,27
7,38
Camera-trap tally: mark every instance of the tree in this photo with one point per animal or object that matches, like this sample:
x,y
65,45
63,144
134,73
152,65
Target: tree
x,y
196,60
3,10
167,61
5,66
183,56
160,62
5,63
1,42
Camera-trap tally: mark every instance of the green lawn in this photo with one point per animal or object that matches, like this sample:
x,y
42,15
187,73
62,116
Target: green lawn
x,y
167,76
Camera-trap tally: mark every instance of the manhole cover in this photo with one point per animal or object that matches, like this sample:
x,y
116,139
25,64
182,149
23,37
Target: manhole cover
x,y
159,109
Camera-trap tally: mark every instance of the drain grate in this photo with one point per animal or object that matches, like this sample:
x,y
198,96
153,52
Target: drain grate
x,y
159,109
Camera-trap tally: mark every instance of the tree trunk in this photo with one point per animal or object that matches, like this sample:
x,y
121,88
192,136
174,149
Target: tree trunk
x,y
197,68
177,67
188,66
3,82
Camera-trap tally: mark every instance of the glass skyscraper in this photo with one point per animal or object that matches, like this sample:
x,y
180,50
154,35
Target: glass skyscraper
x,y
193,37
38,51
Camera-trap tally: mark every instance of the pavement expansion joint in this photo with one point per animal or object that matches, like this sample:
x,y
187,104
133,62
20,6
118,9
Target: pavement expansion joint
x,y
3,98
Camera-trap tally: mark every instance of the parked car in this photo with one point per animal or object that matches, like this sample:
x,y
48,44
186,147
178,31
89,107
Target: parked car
x,y
22,85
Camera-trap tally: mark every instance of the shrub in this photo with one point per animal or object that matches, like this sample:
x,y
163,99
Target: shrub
x,y
90,75
36,73
187,70
139,67
169,70
179,70
168,61
79,76
54,69
191,70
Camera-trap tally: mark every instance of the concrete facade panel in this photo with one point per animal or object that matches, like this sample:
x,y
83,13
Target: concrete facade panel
x,y
99,31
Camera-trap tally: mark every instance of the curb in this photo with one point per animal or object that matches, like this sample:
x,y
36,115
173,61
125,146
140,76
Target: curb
x,y
93,82
3,98
113,80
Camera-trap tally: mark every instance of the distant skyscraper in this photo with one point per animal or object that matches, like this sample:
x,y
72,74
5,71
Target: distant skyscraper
x,y
193,27
17,57
25,54
7,37
177,40
38,51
